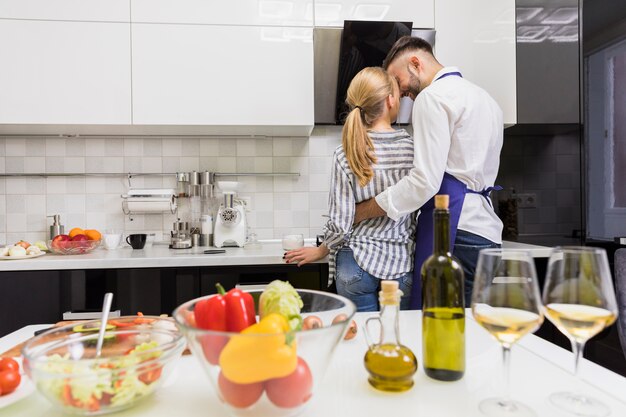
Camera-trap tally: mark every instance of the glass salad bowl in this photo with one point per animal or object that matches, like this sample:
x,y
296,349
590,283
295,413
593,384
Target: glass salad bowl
x,y
137,355
269,373
72,247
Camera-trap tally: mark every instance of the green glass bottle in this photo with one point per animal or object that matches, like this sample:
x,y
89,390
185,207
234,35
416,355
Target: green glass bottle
x,y
443,315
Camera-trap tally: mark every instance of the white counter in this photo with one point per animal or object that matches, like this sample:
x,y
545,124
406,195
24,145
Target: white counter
x,y
160,256
538,369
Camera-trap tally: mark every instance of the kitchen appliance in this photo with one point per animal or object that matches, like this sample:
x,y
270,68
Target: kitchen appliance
x,y
230,223
327,50
181,238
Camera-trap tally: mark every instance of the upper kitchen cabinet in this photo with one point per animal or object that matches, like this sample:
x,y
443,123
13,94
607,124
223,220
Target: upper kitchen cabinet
x,y
239,80
57,73
224,12
80,10
420,12
478,36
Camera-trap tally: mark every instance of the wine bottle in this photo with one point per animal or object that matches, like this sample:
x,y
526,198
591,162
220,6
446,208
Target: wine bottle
x,y
443,315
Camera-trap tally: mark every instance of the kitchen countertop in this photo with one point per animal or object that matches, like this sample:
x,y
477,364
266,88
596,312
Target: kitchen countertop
x,y
538,368
270,252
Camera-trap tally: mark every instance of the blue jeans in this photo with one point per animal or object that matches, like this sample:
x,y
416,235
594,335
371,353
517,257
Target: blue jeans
x,y
362,288
466,248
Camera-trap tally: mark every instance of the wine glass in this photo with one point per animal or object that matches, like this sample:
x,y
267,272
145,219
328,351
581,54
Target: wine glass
x,y
580,300
507,303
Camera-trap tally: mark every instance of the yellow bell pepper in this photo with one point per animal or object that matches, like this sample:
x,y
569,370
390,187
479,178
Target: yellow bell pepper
x,y
248,358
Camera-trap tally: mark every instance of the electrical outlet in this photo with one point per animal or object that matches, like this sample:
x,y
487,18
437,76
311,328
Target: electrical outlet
x,y
526,200
248,202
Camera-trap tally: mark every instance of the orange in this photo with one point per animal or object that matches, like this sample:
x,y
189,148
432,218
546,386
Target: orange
x,y
76,231
93,234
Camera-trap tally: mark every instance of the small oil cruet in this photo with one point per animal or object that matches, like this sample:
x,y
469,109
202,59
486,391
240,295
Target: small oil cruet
x,y
390,364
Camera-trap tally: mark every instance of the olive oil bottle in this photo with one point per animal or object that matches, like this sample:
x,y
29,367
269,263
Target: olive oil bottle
x,y
390,364
443,315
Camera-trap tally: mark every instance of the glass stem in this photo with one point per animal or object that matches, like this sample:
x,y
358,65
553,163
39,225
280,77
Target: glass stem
x,y
506,372
577,348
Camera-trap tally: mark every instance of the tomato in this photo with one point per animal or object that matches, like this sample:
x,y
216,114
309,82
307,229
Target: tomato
x,y
9,380
293,390
150,375
239,395
8,364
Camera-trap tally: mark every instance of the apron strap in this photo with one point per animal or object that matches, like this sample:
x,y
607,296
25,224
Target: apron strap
x,y
486,192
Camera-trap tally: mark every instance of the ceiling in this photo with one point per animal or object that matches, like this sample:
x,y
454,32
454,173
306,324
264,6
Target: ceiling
x,y
601,14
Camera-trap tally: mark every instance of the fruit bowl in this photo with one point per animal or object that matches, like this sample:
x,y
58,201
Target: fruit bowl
x,y
276,374
72,247
138,354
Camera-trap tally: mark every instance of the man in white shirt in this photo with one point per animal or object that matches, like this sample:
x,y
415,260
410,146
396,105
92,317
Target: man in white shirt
x,y
458,131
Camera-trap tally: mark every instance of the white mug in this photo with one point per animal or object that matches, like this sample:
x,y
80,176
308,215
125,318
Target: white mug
x,y
112,239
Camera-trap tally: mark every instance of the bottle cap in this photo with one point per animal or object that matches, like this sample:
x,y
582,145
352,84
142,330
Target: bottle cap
x,y
389,292
389,286
442,201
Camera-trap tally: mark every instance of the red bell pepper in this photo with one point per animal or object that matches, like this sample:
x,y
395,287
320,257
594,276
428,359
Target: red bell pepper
x,y
230,311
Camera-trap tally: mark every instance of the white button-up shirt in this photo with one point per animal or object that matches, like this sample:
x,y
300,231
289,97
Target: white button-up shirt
x,y
458,129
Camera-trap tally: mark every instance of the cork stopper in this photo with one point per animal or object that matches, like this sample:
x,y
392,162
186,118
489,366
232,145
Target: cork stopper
x,y
389,293
389,287
442,201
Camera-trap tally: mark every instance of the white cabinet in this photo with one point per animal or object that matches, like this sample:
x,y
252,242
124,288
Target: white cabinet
x,y
483,46
420,12
235,79
64,73
224,12
82,10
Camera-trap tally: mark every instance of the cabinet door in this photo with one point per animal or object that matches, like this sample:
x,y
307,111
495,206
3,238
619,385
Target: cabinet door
x,y
64,72
222,75
420,12
240,12
83,10
483,47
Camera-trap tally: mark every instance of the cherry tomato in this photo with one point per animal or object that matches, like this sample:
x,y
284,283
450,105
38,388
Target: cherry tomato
x,y
239,395
150,375
293,390
312,322
8,364
9,380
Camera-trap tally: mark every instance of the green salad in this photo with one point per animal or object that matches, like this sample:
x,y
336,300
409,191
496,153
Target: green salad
x,y
93,385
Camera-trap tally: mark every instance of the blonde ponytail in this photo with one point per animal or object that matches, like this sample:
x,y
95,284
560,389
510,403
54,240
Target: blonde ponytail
x,y
366,97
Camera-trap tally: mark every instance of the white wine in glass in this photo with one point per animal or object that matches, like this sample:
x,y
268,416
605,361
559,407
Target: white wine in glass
x,y
506,302
580,300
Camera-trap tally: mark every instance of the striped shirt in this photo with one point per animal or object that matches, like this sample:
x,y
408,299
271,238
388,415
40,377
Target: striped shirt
x,y
381,246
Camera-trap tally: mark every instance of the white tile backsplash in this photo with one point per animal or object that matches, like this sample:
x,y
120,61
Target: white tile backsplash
x,y
280,204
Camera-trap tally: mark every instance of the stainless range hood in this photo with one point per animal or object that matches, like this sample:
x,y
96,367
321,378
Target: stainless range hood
x,y
326,48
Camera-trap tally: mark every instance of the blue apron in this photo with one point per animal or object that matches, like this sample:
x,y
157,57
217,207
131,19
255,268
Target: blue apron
x,y
425,226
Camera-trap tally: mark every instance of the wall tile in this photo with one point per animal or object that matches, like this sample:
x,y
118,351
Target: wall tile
x,y
16,223
262,164
209,147
16,204
114,147
282,147
567,164
227,147
36,186
75,147
189,163
94,185
281,164
282,201
74,165
34,165
93,147
3,149
35,223
14,164
264,147
15,147
246,147
190,147
35,204
35,147
133,147
2,165
263,202
132,164
152,147
55,147
226,164
300,219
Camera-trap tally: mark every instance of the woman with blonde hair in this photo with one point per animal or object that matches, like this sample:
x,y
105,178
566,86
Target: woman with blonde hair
x,y
372,156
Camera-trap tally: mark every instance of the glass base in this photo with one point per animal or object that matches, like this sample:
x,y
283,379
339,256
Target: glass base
x,y
579,404
499,407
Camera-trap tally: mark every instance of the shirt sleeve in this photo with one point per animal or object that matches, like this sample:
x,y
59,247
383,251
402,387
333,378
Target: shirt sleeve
x,y
432,130
341,205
